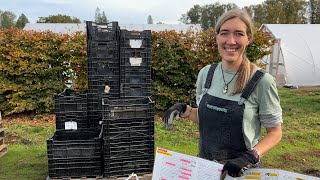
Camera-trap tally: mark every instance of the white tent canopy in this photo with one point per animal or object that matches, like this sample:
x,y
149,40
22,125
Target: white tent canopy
x,y
295,58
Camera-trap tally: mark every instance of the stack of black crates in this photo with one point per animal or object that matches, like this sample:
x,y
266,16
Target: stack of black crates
x,y
108,130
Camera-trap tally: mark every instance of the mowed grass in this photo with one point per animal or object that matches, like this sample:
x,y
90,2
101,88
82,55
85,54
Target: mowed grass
x,y
299,150
27,149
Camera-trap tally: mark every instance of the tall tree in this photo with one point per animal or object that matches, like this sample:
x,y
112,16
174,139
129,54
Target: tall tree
x,y
184,19
206,15
104,18
7,19
150,20
99,17
281,12
58,19
194,14
22,21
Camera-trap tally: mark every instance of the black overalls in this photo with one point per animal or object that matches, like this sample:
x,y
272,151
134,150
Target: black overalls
x,y
220,122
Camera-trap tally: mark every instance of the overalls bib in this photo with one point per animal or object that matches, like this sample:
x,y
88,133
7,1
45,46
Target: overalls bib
x,y
220,122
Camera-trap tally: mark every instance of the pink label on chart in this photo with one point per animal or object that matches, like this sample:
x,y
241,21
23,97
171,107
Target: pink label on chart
x,y
187,174
185,169
171,164
184,160
182,177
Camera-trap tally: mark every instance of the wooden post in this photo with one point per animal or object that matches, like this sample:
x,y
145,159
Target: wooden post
x,y
3,147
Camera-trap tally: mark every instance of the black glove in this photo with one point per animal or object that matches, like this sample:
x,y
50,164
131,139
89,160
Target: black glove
x,y
237,166
174,112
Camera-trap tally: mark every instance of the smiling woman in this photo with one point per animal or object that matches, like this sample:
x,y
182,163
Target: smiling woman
x,y
234,100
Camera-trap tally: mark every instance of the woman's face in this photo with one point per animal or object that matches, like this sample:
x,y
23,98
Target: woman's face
x,y
232,39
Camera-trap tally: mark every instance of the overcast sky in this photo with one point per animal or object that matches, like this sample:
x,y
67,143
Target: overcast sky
x,y
123,11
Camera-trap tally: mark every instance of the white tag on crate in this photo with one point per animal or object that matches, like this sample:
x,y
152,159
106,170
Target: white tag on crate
x,y
135,43
70,125
135,61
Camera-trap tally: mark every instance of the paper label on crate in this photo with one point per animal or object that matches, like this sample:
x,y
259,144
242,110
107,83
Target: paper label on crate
x,y
135,61
70,125
135,43
170,165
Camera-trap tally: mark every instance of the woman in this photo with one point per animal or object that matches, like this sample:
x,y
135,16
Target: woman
x,y
235,98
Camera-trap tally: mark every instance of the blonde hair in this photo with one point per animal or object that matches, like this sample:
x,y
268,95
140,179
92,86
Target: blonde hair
x,y
246,68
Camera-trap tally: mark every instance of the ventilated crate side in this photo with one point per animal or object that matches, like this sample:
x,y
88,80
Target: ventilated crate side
x,y
103,50
130,90
71,106
135,57
72,144
135,39
75,168
102,32
135,76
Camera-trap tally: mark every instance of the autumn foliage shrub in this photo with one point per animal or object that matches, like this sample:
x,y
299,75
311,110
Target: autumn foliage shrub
x,y
36,65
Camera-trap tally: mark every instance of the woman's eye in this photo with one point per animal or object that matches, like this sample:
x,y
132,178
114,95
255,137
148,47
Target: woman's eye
x,y
239,34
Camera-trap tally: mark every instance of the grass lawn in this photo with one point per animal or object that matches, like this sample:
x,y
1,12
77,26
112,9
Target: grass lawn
x,y
299,150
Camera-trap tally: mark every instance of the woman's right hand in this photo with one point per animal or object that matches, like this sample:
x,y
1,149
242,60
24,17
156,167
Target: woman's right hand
x,y
174,112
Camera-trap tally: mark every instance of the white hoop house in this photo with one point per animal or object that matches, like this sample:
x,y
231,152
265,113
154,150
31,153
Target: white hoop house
x,y
295,58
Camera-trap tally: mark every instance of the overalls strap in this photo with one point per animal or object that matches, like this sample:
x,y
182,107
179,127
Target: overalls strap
x,y
210,76
252,83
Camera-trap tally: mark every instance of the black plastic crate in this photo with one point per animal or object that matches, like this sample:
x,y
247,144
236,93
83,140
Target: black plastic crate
x,y
129,75
118,137
125,125
109,87
128,90
71,120
94,118
66,144
102,32
103,66
71,106
126,149
128,108
103,49
135,57
75,168
125,167
135,39
71,101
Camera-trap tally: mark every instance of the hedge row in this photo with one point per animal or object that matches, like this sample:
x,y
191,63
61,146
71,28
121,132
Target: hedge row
x,y
36,65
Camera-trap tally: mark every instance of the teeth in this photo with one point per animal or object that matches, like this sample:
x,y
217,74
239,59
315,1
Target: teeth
x,y
230,50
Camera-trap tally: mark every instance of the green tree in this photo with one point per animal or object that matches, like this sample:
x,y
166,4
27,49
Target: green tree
x,y
58,19
150,20
100,18
215,11
104,18
280,12
206,15
194,14
7,19
22,21
184,19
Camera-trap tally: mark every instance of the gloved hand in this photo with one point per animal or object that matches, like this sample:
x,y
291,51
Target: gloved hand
x,y
237,166
174,112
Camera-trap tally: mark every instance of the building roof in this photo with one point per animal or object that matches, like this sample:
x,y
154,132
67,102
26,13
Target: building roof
x,y
69,28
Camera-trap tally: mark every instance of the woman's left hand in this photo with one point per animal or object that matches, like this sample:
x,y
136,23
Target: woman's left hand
x,y
237,166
